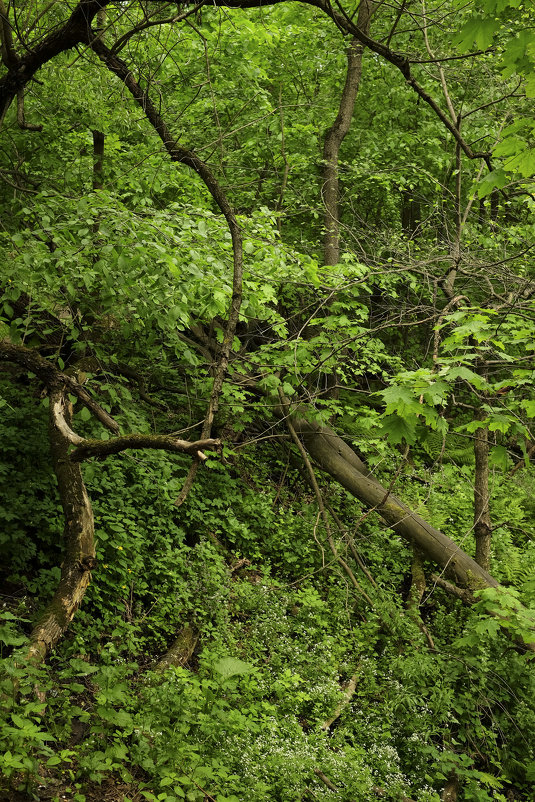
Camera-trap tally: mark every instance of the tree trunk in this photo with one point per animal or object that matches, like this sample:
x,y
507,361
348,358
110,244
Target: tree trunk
x,y
98,159
451,789
78,535
482,521
335,136
335,457
181,649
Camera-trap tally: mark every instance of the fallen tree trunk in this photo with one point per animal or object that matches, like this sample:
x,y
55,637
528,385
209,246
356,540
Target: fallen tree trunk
x,y
181,650
335,457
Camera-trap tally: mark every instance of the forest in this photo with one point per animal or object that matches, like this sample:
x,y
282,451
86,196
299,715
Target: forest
x,y
267,369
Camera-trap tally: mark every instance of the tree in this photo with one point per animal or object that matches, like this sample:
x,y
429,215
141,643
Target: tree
x,y
423,313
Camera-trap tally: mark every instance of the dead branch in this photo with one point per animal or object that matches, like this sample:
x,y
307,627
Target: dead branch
x,y
165,442
463,594
351,542
325,780
345,700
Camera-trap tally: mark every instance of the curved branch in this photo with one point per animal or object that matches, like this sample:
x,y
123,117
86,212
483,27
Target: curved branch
x,y
186,156
75,30
21,117
165,442
54,379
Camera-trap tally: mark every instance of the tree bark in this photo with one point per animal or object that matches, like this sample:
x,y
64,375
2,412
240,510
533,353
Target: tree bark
x,y
335,136
416,594
482,520
78,535
335,457
165,442
451,789
98,159
181,650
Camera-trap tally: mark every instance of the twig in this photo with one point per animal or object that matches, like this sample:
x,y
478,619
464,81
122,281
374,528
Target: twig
x,y
351,542
325,780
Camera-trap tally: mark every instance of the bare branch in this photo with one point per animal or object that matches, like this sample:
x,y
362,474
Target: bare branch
x,y
21,119
463,594
165,442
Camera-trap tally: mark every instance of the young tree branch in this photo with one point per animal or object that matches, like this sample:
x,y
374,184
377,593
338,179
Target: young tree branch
x,y
183,155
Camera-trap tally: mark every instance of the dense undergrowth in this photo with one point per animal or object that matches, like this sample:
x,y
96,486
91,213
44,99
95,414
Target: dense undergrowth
x,y
281,633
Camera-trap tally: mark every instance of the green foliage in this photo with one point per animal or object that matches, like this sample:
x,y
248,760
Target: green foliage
x,y
128,286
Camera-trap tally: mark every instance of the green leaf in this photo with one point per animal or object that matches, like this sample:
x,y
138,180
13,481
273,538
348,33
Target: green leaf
x,y
499,423
499,458
231,666
287,389
398,429
478,30
529,406
81,668
401,400
494,180
468,375
9,638
85,414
